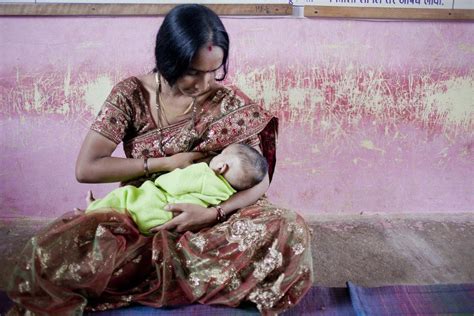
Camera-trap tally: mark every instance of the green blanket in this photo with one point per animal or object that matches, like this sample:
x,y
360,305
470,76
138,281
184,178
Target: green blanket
x,y
196,184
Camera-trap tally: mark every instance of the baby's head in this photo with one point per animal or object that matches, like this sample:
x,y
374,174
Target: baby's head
x,y
241,165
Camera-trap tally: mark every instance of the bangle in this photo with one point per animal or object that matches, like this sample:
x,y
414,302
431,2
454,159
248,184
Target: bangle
x,y
145,167
221,216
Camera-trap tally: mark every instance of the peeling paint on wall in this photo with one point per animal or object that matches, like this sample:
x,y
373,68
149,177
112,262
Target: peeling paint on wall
x,y
375,116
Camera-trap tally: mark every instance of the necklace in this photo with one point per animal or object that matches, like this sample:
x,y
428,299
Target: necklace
x,y
163,119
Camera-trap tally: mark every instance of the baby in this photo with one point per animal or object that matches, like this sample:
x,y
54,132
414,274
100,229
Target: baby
x,y
237,167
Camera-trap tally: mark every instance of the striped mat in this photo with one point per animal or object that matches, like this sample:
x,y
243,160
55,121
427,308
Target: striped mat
x,y
440,299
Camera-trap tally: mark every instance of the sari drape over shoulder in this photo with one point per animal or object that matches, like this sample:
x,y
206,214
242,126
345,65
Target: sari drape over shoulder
x,y
100,261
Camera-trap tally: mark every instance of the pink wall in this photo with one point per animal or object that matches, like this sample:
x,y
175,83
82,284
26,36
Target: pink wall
x,y
375,116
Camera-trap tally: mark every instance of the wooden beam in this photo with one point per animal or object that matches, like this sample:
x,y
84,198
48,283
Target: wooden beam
x,y
72,9
135,9
387,13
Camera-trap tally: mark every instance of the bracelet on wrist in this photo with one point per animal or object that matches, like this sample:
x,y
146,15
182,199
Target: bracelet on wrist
x,y
145,167
221,215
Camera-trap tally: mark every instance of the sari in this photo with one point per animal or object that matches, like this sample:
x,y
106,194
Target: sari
x,y
100,261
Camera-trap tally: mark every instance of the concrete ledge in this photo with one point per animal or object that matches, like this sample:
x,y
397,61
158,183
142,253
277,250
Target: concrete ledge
x,y
382,249
367,249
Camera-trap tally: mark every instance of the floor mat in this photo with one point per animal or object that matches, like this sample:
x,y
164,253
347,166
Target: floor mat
x,y
318,301
413,299
350,301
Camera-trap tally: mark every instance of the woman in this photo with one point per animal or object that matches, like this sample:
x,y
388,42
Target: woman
x,y
242,250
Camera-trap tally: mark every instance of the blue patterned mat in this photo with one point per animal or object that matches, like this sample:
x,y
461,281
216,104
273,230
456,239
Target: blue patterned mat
x,y
319,300
445,299
454,299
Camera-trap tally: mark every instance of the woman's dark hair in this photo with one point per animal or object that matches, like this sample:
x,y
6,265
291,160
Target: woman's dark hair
x,y
185,29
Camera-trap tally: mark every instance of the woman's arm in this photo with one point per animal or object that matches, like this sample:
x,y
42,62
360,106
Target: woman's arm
x,y
95,163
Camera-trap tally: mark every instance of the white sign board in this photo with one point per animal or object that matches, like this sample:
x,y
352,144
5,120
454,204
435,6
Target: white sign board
x,y
154,1
399,4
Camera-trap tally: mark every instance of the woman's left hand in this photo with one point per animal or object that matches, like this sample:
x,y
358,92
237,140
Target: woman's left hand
x,y
190,217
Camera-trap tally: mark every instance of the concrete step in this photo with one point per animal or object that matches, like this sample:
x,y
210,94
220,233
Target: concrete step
x,y
382,249
367,249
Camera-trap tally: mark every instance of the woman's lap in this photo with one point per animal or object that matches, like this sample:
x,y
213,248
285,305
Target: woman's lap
x,y
261,254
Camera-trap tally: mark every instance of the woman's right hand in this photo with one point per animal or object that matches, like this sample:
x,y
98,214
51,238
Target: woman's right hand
x,y
180,160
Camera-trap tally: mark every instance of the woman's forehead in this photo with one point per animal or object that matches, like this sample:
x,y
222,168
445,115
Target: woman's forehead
x,y
208,60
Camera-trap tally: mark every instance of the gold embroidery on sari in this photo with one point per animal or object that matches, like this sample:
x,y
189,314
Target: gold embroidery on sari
x,y
104,307
297,288
43,256
299,240
272,260
199,241
219,276
112,121
154,254
267,295
277,212
230,102
60,274
216,276
263,201
142,149
184,141
204,275
245,233
297,248
303,270
120,230
297,229
73,269
137,259
214,253
234,283
100,231
195,281
24,287
92,267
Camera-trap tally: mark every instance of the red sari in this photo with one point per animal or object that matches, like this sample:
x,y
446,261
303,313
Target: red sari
x,y
100,261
